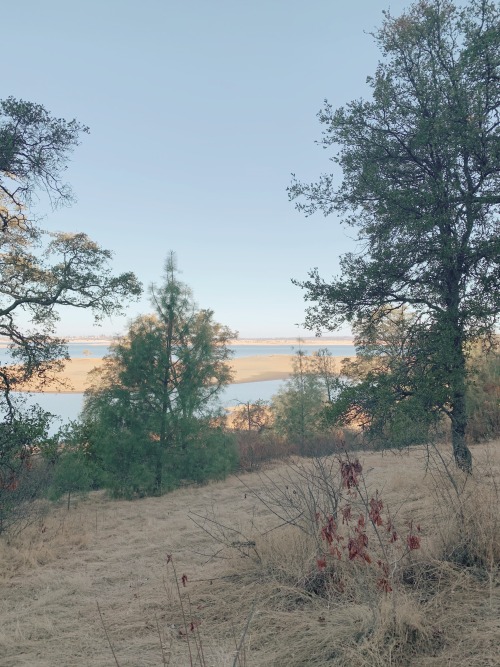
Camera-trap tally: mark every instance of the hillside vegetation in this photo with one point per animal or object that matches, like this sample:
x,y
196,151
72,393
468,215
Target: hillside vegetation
x,y
102,573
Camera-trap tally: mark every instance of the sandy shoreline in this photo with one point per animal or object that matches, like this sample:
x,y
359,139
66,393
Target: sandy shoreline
x,y
246,369
292,342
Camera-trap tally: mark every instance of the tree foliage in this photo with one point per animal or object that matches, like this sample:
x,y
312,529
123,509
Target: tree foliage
x,y
322,364
298,406
149,413
384,389
483,393
250,416
421,177
40,271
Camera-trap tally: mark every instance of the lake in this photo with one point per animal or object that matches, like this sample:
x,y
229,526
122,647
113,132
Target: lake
x,y
68,406
97,351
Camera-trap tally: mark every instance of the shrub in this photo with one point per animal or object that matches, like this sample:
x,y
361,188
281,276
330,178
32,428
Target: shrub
x,y
24,502
258,447
125,460
72,474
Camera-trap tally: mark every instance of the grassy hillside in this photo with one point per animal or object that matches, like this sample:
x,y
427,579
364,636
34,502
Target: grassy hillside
x,y
260,577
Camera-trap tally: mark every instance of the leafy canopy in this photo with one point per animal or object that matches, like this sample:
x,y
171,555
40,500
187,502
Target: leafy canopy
x,y
149,413
421,176
40,271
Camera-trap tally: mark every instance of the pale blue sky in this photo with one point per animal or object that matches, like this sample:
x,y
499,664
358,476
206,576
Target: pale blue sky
x,y
199,111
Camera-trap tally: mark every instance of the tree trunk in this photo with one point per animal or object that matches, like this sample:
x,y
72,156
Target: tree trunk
x,y
461,452
457,371
166,408
162,443
158,474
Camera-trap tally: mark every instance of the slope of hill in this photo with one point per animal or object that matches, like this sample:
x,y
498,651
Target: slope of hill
x,y
102,573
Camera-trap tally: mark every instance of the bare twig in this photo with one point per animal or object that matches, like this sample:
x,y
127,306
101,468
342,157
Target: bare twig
x,y
243,635
171,561
107,635
164,659
194,627
226,535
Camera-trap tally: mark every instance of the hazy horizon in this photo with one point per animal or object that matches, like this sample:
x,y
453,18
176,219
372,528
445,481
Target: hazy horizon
x,y
198,113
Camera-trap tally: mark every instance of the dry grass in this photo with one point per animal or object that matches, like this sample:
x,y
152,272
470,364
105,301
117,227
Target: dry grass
x,y
444,609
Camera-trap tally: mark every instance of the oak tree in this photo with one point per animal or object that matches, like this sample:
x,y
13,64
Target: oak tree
x,y
40,271
421,180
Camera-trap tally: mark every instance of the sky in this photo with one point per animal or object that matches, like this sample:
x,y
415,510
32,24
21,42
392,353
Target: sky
x,y
199,112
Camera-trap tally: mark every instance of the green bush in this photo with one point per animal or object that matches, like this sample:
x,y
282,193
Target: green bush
x,y
125,460
72,474
23,476
208,453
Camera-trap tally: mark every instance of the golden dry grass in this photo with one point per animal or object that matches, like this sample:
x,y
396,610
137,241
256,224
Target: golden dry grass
x,y
115,553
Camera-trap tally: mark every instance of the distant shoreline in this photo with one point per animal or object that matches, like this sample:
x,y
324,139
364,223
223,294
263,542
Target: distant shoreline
x,y
292,341
73,341
235,342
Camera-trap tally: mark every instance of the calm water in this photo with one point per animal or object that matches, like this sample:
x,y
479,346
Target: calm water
x,y
91,351
255,350
65,406
68,406
76,351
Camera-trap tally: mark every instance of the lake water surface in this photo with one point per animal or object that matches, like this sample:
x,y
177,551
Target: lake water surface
x,y
97,351
68,406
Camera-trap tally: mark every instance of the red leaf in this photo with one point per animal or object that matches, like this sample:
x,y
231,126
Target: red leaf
x,y
376,507
329,532
413,542
352,548
350,473
346,514
384,585
335,551
321,563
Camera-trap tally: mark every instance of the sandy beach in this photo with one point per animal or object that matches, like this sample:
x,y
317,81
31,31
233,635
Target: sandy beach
x,y
246,369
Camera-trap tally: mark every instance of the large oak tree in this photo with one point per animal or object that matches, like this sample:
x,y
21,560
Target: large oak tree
x,y
421,185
